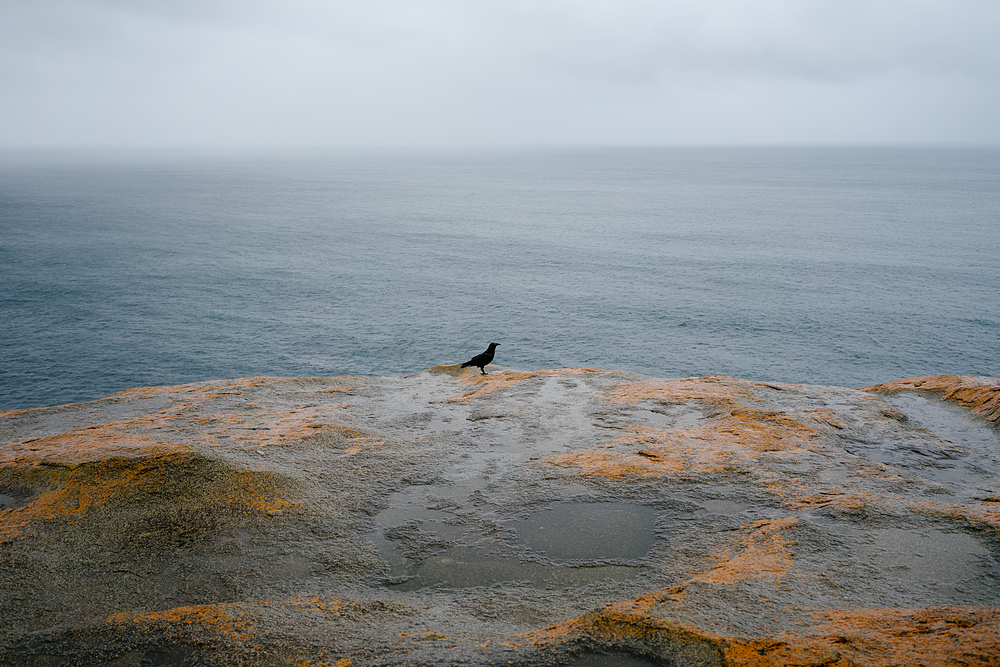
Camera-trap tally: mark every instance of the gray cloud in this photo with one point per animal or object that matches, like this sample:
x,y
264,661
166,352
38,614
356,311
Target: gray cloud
x,y
309,72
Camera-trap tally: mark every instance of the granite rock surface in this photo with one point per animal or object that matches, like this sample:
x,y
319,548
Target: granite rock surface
x,y
576,516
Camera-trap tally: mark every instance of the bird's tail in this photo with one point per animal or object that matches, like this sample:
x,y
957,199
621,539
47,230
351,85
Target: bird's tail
x,y
466,364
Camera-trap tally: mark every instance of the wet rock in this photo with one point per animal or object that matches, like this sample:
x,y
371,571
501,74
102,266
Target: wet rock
x,y
981,395
573,516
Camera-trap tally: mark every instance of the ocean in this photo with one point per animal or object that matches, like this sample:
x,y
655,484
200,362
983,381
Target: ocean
x,y
843,266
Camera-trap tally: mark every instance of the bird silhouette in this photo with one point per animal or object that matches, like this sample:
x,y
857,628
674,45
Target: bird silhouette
x,y
481,360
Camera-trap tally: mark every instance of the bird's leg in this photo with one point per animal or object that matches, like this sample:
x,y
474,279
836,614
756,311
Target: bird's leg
x,y
484,371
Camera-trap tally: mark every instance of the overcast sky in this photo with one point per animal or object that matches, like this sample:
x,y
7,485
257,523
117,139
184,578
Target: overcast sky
x,y
190,73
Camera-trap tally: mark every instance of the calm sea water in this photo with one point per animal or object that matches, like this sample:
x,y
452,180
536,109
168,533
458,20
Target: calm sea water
x,y
828,266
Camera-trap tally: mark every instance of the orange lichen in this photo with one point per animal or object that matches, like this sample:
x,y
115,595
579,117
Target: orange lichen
x,y
736,438
211,413
90,443
942,636
825,416
983,513
260,427
358,445
67,490
231,620
252,490
487,384
716,391
632,621
177,429
763,551
63,491
761,431
609,465
87,467
330,609
733,441
981,395
798,496
645,451
353,440
239,623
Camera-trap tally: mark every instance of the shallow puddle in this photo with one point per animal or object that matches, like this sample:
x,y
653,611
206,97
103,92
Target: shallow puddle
x,y
469,567
11,497
930,555
956,448
725,507
950,422
581,543
589,531
945,566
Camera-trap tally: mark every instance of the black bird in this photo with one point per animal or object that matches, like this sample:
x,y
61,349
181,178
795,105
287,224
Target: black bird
x,y
481,360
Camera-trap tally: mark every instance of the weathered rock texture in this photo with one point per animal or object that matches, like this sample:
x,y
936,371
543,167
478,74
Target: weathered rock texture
x,y
514,518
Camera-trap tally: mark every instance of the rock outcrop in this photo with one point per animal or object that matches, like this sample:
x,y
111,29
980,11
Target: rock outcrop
x,y
544,517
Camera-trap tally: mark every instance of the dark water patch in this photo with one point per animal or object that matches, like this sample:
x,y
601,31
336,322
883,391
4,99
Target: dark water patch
x,y
589,531
949,444
158,656
923,565
443,549
13,496
952,423
470,567
608,660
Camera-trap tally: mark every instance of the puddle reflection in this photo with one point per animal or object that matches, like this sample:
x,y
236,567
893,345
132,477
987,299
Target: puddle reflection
x,y
583,543
469,567
590,531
